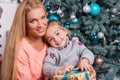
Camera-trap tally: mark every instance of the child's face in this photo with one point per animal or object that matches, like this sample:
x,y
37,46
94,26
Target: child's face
x,y
56,36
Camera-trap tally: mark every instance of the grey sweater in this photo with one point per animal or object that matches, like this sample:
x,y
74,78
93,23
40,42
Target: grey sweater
x,y
70,54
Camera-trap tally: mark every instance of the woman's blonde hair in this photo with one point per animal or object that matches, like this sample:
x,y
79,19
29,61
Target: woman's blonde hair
x,y
17,32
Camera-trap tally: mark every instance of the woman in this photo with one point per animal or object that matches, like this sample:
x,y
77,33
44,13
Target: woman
x,y
25,48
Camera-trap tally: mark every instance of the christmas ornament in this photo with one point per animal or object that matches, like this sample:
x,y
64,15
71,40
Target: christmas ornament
x,y
118,46
94,37
73,18
86,8
113,16
107,10
48,7
100,35
118,28
60,12
94,9
99,61
114,10
74,21
67,25
54,16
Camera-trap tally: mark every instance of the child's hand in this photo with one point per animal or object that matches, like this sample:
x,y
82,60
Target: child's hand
x,y
84,65
61,72
66,69
69,68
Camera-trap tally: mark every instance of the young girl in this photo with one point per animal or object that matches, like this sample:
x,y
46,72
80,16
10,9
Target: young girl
x,y
65,55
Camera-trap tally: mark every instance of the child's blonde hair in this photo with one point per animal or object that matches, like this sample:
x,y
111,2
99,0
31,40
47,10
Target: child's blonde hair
x,y
59,25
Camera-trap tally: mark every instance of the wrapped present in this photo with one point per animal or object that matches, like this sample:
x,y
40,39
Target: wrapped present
x,y
76,75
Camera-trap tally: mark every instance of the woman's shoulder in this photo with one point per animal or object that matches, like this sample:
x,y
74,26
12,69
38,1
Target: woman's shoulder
x,y
27,46
27,49
23,41
22,51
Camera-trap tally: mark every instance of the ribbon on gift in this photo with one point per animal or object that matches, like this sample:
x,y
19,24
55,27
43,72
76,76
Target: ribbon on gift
x,y
76,71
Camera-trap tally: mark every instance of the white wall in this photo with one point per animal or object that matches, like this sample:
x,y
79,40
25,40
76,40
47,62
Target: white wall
x,y
6,19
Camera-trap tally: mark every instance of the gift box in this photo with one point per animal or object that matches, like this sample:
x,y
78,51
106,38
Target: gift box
x,y
76,75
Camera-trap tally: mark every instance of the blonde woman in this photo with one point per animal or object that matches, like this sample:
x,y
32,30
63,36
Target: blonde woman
x,y
25,48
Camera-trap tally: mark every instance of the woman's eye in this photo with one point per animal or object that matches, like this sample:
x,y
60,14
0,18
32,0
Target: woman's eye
x,y
32,21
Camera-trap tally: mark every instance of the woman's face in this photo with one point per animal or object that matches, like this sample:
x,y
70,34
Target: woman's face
x,y
36,22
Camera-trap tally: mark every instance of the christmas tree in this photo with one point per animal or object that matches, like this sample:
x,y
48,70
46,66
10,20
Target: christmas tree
x,y
97,25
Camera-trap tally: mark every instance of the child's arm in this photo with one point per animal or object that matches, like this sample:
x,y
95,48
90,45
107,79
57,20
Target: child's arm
x,y
83,51
49,68
85,55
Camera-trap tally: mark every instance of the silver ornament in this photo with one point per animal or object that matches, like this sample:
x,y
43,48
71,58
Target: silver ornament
x,y
86,8
114,10
100,35
72,16
113,16
59,11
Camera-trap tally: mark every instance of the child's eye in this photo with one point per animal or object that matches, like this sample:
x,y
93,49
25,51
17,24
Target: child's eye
x,y
44,17
57,33
50,39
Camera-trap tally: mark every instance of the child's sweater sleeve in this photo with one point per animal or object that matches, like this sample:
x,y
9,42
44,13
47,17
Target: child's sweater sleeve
x,y
49,67
83,51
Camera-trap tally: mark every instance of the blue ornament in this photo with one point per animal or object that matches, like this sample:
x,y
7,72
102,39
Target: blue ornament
x,y
67,26
118,47
94,9
95,38
118,29
48,7
54,16
119,44
75,21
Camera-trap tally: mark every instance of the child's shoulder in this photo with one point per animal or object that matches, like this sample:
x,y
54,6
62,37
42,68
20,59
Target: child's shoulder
x,y
75,39
51,49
